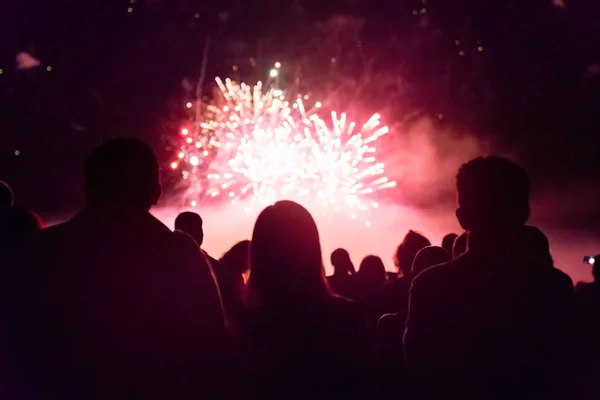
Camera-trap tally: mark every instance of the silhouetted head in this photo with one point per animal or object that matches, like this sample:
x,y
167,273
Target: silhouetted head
x,y
428,257
237,258
190,223
596,269
532,247
122,172
6,195
340,259
460,245
493,195
372,271
448,242
408,249
16,225
286,264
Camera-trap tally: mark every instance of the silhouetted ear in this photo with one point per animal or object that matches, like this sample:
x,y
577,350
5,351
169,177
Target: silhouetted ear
x,y
463,218
156,194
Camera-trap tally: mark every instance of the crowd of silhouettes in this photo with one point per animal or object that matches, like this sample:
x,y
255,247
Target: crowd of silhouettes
x,y
112,304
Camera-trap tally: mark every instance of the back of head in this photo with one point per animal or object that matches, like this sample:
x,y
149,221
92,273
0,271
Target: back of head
x,y
190,223
372,271
237,258
493,195
16,225
6,195
340,259
122,172
448,242
460,245
596,269
286,264
408,249
428,257
533,248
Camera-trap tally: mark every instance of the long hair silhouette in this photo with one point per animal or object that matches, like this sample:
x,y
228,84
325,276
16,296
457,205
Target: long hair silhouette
x,y
285,257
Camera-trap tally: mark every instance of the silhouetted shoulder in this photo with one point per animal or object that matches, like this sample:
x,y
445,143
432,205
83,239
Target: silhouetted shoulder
x,y
46,239
346,314
186,250
344,306
563,284
393,322
184,242
52,231
584,287
214,263
443,272
564,280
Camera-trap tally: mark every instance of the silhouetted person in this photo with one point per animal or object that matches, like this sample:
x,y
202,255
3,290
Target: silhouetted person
x,y
191,223
342,280
6,195
448,242
460,246
230,276
237,258
371,273
496,319
589,290
301,339
112,304
370,280
17,225
588,312
397,291
390,329
428,257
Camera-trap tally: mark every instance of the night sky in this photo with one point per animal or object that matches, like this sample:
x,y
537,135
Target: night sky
x,y
522,75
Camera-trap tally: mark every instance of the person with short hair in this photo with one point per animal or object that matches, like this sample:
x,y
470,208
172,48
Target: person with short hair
x,y
448,242
587,296
428,257
343,278
127,308
496,319
192,224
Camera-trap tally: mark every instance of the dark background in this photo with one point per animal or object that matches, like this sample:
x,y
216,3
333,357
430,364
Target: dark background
x,y
523,75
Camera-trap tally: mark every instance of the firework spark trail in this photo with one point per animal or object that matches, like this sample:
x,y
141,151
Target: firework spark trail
x,y
270,149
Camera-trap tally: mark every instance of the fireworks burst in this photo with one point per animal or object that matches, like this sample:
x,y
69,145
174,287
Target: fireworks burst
x,y
258,144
